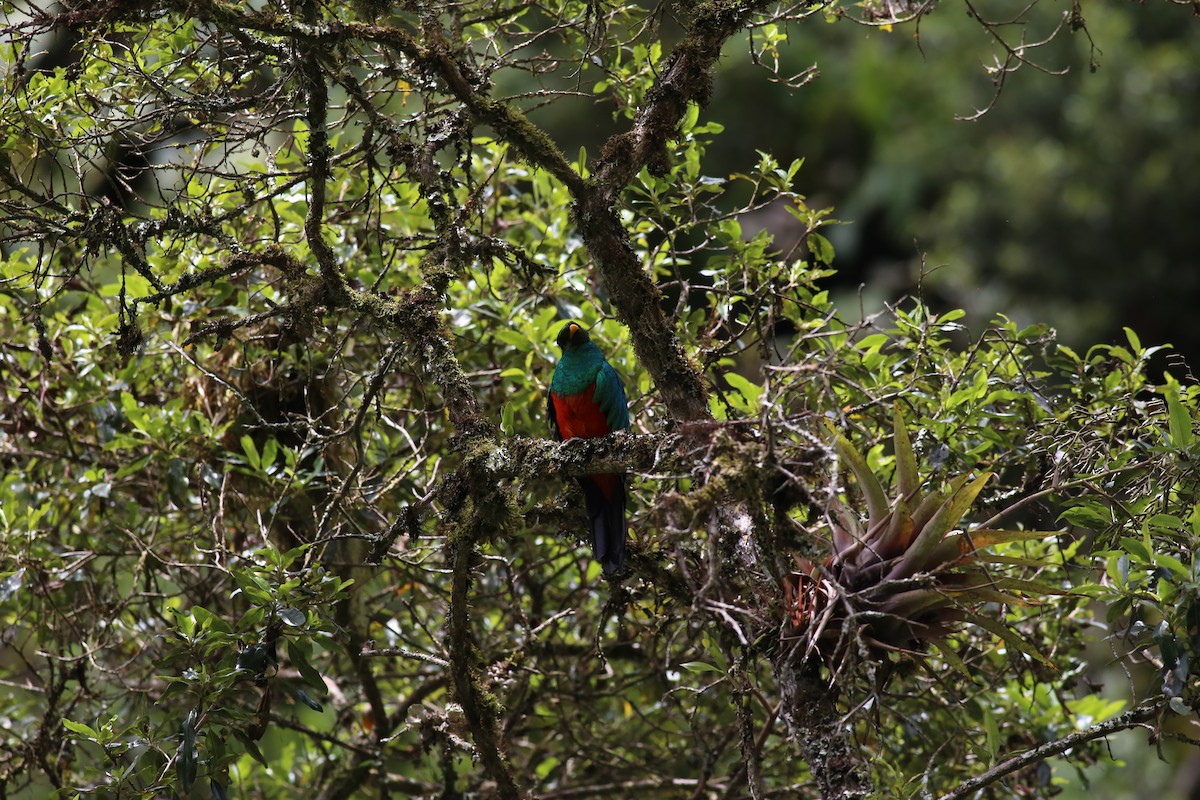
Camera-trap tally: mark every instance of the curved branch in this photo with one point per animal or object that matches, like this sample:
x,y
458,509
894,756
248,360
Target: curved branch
x,y
1129,719
479,705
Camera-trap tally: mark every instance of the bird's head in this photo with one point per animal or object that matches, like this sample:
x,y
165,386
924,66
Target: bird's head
x,y
572,336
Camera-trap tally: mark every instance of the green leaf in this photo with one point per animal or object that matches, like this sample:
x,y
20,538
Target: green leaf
x,y
821,249
1029,588
288,558
1179,421
86,731
251,748
1117,569
1069,353
1137,549
1134,342
133,412
251,451
1169,522
299,659
898,533
928,506
992,732
1033,331
946,650
269,451
908,604
986,537
944,519
908,480
1012,561
205,619
700,666
293,617
1094,708
1085,516
872,342
132,468
186,757
1173,564
749,392
690,116
877,504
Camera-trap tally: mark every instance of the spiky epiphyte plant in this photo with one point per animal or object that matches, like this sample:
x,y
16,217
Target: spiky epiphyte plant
x,y
906,577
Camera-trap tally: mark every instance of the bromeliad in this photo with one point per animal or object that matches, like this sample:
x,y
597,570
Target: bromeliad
x,y
587,400
906,576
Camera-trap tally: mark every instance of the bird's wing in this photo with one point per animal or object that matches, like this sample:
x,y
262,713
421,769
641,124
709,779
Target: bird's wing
x,y
551,417
610,396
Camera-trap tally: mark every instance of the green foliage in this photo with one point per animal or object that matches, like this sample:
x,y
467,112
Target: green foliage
x,y
264,391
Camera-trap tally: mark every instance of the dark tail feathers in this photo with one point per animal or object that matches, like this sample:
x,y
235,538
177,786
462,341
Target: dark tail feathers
x,y
606,515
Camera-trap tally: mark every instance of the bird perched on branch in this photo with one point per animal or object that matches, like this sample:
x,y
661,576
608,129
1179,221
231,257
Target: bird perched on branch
x,y
587,400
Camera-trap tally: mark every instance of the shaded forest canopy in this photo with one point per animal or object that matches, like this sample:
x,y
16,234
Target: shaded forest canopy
x,y
280,511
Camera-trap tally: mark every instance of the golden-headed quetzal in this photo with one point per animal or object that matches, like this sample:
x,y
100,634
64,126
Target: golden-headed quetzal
x,y
587,400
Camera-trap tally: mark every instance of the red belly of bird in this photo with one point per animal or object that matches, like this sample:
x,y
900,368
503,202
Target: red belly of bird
x,y
579,416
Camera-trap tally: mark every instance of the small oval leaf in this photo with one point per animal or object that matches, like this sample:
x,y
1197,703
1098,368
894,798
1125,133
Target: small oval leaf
x,y
293,617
